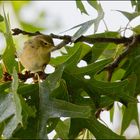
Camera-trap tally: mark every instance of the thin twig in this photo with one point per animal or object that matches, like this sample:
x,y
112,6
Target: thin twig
x,y
60,45
66,39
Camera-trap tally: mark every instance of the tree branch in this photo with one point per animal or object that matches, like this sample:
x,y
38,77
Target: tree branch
x,y
18,31
93,40
128,42
87,39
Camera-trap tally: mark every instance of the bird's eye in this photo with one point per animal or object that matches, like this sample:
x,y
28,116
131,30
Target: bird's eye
x,y
45,43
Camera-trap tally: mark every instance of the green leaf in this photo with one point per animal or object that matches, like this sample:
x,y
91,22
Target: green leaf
x,y
6,106
74,76
50,107
51,124
70,51
73,59
100,131
27,111
93,3
30,114
53,80
81,7
91,69
62,129
85,48
2,27
95,127
28,89
129,16
105,101
112,111
61,92
45,89
131,112
9,53
15,106
133,2
132,66
60,108
97,50
115,90
138,6
63,59
4,86
29,132
136,29
1,71
118,75
29,121
1,18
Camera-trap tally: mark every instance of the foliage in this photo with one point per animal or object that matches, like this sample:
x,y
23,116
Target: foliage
x,y
33,110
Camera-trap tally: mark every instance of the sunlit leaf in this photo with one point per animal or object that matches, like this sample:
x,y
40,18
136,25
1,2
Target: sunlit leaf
x,y
97,50
9,53
70,51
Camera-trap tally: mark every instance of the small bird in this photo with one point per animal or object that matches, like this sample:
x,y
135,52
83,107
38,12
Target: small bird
x,y
36,53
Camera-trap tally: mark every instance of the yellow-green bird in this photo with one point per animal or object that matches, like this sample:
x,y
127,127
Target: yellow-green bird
x,y
36,53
